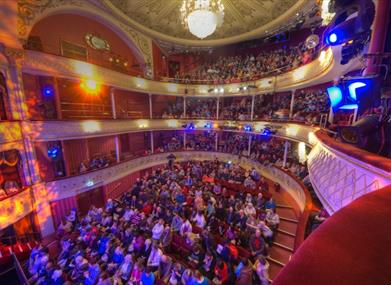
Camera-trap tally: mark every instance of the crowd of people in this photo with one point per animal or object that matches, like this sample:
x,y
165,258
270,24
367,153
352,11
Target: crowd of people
x,y
308,106
174,226
97,162
240,68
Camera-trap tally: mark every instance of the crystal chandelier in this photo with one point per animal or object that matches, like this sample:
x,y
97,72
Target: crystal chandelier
x,y
202,17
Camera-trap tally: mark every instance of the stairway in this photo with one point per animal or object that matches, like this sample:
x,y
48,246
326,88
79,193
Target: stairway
x,y
283,245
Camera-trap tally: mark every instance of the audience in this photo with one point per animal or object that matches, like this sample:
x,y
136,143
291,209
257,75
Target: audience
x,y
238,68
127,242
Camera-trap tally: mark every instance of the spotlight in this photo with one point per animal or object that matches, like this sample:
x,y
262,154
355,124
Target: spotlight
x,y
247,128
216,90
332,39
208,125
48,91
221,90
53,151
90,86
189,127
245,88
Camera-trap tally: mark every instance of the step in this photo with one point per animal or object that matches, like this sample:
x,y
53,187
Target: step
x,y
283,246
286,233
280,255
285,239
287,213
289,220
288,226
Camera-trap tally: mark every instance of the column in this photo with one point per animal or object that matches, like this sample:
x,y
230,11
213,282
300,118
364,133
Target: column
x,y
152,142
252,108
42,196
331,116
14,82
117,149
217,141
292,104
184,140
249,144
57,99
218,108
150,106
379,35
113,108
286,146
184,107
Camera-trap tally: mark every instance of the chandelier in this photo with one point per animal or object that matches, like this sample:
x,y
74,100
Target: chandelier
x,y
202,17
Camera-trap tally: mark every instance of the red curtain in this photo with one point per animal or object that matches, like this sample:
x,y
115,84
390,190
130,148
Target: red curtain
x,y
61,208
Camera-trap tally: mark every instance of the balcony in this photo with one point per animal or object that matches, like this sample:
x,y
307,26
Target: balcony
x,y
320,70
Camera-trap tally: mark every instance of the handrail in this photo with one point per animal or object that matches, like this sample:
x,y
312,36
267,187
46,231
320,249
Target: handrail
x,y
375,160
304,217
22,277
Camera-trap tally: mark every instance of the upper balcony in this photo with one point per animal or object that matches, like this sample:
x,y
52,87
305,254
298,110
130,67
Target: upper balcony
x,y
320,70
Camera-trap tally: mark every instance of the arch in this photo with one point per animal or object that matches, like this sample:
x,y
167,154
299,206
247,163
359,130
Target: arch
x,y
29,16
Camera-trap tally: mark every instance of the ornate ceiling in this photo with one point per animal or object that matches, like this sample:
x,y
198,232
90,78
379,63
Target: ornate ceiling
x,y
244,19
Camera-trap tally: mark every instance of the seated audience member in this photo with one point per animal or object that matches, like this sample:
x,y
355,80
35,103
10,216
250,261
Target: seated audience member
x,y
257,244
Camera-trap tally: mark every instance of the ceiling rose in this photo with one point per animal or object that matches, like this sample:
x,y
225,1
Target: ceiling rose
x,y
202,17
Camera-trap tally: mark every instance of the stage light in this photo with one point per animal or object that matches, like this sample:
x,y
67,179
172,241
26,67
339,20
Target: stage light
x,y
247,128
90,86
335,96
189,127
245,88
266,132
352,89
48,91
221,90
208,125
53,151
349,107
216,90
333,38
89,183
216,125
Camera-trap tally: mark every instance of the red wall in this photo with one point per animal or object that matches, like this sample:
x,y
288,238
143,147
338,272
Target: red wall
x,y
101,146
115,189
73,28
75,152
131,104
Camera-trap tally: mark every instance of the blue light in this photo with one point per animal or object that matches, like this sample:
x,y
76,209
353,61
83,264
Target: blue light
x,y
89,183
247,128
53,152
190,127
352,89
48,91
208,125
266,132
349,107
335,95
333,38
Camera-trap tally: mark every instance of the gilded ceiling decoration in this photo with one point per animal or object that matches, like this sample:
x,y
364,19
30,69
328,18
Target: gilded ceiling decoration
x,y
241,16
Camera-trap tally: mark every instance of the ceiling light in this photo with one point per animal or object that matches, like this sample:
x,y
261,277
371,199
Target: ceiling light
x,y
202,17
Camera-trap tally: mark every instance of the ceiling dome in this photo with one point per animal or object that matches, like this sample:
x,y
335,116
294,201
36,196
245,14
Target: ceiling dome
x,y
244,19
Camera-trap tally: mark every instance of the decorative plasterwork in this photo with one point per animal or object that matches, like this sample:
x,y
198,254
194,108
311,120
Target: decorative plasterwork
x,y
65,130
243,19
14,208
318,71
31,11
338,179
